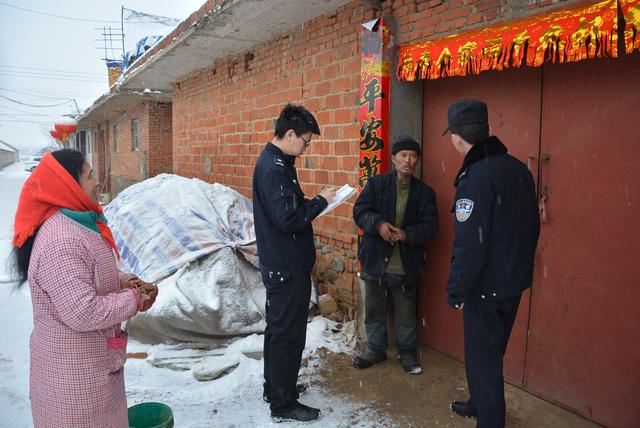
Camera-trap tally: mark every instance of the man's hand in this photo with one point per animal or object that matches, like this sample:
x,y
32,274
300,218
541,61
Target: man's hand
x,y
386,232
329,193
398,234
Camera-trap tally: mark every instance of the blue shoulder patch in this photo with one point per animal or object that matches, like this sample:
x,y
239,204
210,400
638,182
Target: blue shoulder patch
x,y
464,208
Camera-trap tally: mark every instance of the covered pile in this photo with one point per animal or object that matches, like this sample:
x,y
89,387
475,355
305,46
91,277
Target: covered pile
x,y
196,240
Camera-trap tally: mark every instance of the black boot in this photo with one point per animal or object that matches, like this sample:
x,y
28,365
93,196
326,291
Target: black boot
x,y
465,409
295,411
409,363
367,359
300,388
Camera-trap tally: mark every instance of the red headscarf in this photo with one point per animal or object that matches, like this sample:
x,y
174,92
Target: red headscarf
x,y
49,188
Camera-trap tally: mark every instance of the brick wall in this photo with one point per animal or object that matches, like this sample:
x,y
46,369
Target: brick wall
x,y
419,20
154,154
223,115
129,166
160,139
99,137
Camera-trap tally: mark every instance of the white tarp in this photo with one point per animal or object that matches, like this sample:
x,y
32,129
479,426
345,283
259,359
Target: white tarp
x,y
197,241
167,221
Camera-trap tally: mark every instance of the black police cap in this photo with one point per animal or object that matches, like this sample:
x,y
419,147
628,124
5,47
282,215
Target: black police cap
x,y
466,112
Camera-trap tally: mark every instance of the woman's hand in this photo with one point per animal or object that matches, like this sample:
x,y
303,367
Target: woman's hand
x,y
147,292
126,280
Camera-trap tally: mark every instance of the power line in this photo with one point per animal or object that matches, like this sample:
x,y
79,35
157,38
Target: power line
x,y
28,114
51,78
33,105
49,69
33,95
55,16
26,121
52,92
156,19
56,75
16,109
48,73
134,16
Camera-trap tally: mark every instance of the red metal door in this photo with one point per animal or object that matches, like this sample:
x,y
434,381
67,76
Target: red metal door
x,y
583,347
513,97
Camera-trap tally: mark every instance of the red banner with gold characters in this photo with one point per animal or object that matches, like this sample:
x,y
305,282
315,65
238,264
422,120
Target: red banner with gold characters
x,y
568,35
375,72
630,10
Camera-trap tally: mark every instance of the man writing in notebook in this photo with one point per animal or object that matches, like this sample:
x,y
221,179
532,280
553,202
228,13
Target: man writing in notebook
x,y
286,250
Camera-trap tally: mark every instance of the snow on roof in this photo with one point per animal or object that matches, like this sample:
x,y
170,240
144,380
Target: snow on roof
x,y
7,147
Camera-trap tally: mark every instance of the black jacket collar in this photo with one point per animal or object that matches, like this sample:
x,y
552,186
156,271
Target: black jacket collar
x,y
483,149
278,151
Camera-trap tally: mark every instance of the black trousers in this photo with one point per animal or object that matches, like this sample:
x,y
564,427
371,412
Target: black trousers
x,y
487,327
284,338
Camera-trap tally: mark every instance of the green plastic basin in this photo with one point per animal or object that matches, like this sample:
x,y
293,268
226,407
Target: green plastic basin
x,y
150,415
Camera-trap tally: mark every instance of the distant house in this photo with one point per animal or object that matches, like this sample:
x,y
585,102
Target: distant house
x,y
8,154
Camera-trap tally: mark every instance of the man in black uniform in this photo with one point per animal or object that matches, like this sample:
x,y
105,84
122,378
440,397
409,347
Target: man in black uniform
x,y
286,251
398,214
496,232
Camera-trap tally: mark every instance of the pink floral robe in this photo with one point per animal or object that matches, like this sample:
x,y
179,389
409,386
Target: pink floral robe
x,y
77,376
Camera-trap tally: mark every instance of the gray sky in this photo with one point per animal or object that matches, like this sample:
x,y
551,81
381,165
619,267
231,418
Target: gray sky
x,y
46,60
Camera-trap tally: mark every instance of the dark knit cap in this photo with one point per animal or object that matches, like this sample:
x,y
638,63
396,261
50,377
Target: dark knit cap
x,y
404,142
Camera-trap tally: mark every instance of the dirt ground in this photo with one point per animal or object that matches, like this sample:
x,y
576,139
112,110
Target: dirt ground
x,y
423,400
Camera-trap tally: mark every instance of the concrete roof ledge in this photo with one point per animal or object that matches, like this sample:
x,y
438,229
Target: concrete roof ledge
x,y
219,29
117,102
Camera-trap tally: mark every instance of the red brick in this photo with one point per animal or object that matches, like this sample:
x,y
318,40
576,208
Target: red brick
x,y
443,27
343,148
457,23
457,13
334,101
428,22
474,18
344,116
453,4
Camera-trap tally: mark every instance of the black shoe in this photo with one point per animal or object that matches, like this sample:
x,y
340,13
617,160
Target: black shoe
x,y
464,409
367,359
409,363
295,412
300,388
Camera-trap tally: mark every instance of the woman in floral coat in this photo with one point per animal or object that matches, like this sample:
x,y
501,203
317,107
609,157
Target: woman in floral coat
x,y
65,249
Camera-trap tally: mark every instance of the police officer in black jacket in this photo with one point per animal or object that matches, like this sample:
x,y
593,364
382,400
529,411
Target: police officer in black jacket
x,y
398,214
496,232
284,235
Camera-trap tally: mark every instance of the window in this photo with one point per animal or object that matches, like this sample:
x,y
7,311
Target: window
x,y
89,149
135,135
82,142
116,137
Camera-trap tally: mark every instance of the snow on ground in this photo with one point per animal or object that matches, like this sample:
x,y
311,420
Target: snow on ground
x,y
236,399
15,313
232,400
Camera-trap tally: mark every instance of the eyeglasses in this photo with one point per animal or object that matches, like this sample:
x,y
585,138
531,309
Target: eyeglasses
x,y
306,142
